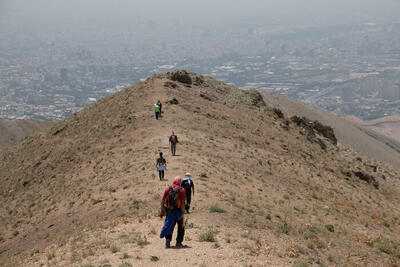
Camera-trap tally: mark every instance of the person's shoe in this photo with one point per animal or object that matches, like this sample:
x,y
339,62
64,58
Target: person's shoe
x,y
167,243
179,245
187,211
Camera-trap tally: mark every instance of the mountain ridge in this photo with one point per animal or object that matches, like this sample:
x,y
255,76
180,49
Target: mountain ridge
x,y
269,188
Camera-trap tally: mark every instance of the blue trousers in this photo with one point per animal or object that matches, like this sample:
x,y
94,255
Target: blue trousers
x,y
173,217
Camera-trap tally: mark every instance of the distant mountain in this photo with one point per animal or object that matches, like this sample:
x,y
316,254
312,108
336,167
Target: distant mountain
x,y
388,126
270,188
13,130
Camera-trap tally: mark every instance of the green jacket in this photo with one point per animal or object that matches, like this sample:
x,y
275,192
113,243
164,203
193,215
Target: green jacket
x,y
156,108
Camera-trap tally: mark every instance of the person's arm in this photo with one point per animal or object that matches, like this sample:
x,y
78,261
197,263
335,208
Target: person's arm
x,y
183,194
162,211
183,208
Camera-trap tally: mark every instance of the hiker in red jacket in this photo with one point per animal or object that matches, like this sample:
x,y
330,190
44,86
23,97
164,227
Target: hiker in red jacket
x,y
173,140
173,206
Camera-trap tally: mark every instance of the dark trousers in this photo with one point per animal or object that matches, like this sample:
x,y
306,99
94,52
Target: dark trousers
x,y
181,231
157,115
188,199
161,174
173,148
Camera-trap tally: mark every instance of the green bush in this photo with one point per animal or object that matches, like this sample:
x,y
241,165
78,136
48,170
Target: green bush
x,y
216,208
208,236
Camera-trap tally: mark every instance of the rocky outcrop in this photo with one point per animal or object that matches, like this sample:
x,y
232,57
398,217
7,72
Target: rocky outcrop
x,y
313,127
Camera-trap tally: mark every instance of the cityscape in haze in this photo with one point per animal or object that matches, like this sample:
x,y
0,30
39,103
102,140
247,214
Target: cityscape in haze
x,y
346,67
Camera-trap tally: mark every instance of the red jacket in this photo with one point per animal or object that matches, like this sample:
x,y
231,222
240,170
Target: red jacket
x,y
181,195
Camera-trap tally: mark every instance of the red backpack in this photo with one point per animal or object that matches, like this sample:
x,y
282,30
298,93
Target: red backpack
x,y
173,139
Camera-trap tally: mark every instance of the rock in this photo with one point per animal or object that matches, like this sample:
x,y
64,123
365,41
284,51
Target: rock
x,y
367,178
315,126
256,98
173,101
181,76
278,113
206,97
170,85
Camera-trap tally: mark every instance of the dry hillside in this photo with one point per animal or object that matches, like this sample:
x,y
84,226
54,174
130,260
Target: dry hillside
x,y
353,133
270,190
13,130
388,126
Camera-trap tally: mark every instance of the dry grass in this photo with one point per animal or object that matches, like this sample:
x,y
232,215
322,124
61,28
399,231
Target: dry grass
x,y
92,194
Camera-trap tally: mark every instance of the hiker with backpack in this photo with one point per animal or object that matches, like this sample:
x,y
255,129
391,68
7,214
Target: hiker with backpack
x,y
161,166
188,185
160,106
157,110
173,140
172,206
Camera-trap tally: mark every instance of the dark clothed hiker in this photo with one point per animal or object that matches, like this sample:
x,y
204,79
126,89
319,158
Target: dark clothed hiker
x,y
161,166
172,205
173,140
188,185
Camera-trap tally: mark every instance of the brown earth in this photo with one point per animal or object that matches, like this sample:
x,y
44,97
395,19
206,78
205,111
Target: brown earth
x,y
13,130
268,192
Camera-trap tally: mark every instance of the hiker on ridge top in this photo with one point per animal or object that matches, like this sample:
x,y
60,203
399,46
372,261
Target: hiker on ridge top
x,y
160,106
161,166
173,139
188,184
172,206
157,110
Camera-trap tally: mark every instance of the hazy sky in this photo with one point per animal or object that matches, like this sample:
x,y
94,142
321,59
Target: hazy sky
x,y
119,12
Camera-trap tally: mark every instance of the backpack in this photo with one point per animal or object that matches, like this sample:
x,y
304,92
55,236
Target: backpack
x,y
173,139
186,185
172,200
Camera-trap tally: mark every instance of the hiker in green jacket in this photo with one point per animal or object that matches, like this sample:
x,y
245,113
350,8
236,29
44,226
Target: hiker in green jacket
x,y
157,110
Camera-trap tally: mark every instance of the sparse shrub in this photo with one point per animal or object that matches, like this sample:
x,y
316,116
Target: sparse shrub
x,y
125,256
284,228
251,249
216,208
124,264
154,258
115,249
142,241
389,247
300,264
203,175
331,258
330,228
208,236
50,255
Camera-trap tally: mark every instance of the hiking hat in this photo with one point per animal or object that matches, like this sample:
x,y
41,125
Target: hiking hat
x,y
187,174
